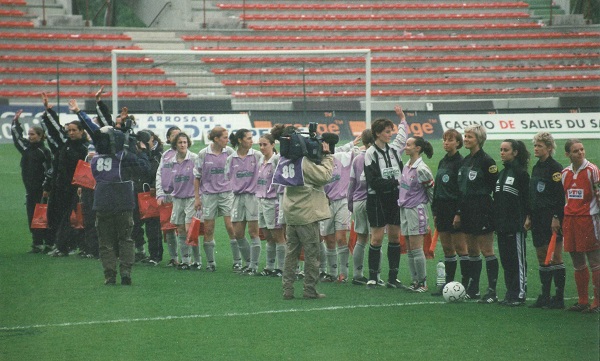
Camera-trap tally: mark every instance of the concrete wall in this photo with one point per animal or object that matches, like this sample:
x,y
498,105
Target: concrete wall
x,y
176,13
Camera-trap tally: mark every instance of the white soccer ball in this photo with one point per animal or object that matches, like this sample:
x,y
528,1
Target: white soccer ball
x,y
454,292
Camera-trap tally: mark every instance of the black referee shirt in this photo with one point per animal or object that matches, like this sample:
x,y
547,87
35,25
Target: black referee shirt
x,y
545,187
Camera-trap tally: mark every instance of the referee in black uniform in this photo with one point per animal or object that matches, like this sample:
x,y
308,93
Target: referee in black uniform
x,y
547,208
476,181
444,206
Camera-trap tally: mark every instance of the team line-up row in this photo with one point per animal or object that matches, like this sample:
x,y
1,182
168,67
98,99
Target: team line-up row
x,y
470,198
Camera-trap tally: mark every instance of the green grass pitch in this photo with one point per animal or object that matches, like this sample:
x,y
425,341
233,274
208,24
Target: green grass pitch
x,y
59,309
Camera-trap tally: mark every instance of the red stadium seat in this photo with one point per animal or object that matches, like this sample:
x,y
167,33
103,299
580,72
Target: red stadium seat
x,y
102,71
379,17
13,2
368,6
15,13
64,48
70,59
61,36
420,93
16,24
86,82
403,27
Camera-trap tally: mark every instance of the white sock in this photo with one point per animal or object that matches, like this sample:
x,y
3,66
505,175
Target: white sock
x,y
185,249
344,254
358,260
244,248
255,253
332,262
271,254
209,249
235,251
196,255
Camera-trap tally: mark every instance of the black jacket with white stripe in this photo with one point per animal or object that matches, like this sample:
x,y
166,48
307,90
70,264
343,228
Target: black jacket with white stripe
x,y
511,198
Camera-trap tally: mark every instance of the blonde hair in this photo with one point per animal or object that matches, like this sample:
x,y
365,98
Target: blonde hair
x,y
479,131
547,139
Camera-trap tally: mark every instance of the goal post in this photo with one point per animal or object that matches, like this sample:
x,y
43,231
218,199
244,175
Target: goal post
x,y
365,53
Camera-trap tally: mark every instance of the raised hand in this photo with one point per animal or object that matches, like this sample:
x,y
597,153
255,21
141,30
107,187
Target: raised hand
x,y
73,106
99,93
45,100
399,112
17,115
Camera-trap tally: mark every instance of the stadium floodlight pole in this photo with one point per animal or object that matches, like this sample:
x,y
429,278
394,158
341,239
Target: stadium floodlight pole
x,y
365,52
114,83
368,90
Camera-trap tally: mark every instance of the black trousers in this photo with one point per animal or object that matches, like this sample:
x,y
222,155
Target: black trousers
x,y
66,237
153,233
33,197
514,262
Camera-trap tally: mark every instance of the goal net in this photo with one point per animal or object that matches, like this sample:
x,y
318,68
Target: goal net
x,y
244,76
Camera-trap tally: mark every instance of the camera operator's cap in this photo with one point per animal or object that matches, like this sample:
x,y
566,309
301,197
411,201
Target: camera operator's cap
x,y
143,136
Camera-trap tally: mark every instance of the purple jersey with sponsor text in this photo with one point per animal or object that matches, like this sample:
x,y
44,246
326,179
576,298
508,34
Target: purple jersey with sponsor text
x,y
183,176
265,178
165,171
357,187
210,169
243,172
416,185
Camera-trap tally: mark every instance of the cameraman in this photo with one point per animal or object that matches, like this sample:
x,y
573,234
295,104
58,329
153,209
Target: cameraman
x,y
114,167
304,205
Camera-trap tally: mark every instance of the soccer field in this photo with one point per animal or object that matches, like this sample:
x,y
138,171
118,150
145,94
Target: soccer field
x,y
59,308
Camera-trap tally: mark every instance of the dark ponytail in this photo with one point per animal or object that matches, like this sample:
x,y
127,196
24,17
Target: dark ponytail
x,y
235,138
522,153
426,147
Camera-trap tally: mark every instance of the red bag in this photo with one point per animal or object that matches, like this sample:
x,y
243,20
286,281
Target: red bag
x,y
551,249
193,232
148,206
76,218
434,241
83,175
353,238
40,216
165,216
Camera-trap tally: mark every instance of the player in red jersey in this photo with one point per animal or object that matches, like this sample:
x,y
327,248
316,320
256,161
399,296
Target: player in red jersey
x,y
581,225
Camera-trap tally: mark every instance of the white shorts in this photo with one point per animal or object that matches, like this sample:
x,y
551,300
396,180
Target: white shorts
x,y
183,210
216,205
361,220
268,213
414,221
245,208
340,218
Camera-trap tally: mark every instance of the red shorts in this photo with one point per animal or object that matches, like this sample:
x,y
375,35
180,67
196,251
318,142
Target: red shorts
x,y
581,233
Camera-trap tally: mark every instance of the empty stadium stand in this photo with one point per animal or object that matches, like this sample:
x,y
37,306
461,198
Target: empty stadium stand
x,y
446,49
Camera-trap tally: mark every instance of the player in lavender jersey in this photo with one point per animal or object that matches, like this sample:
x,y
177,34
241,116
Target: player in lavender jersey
x,y
182,195
357,205
335,229
164,177
242,171
269,208
416,190
213,194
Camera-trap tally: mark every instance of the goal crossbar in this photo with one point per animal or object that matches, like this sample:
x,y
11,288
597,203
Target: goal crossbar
x,y
366,53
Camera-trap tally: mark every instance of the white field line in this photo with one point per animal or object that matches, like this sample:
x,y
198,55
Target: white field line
x,y
229,314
